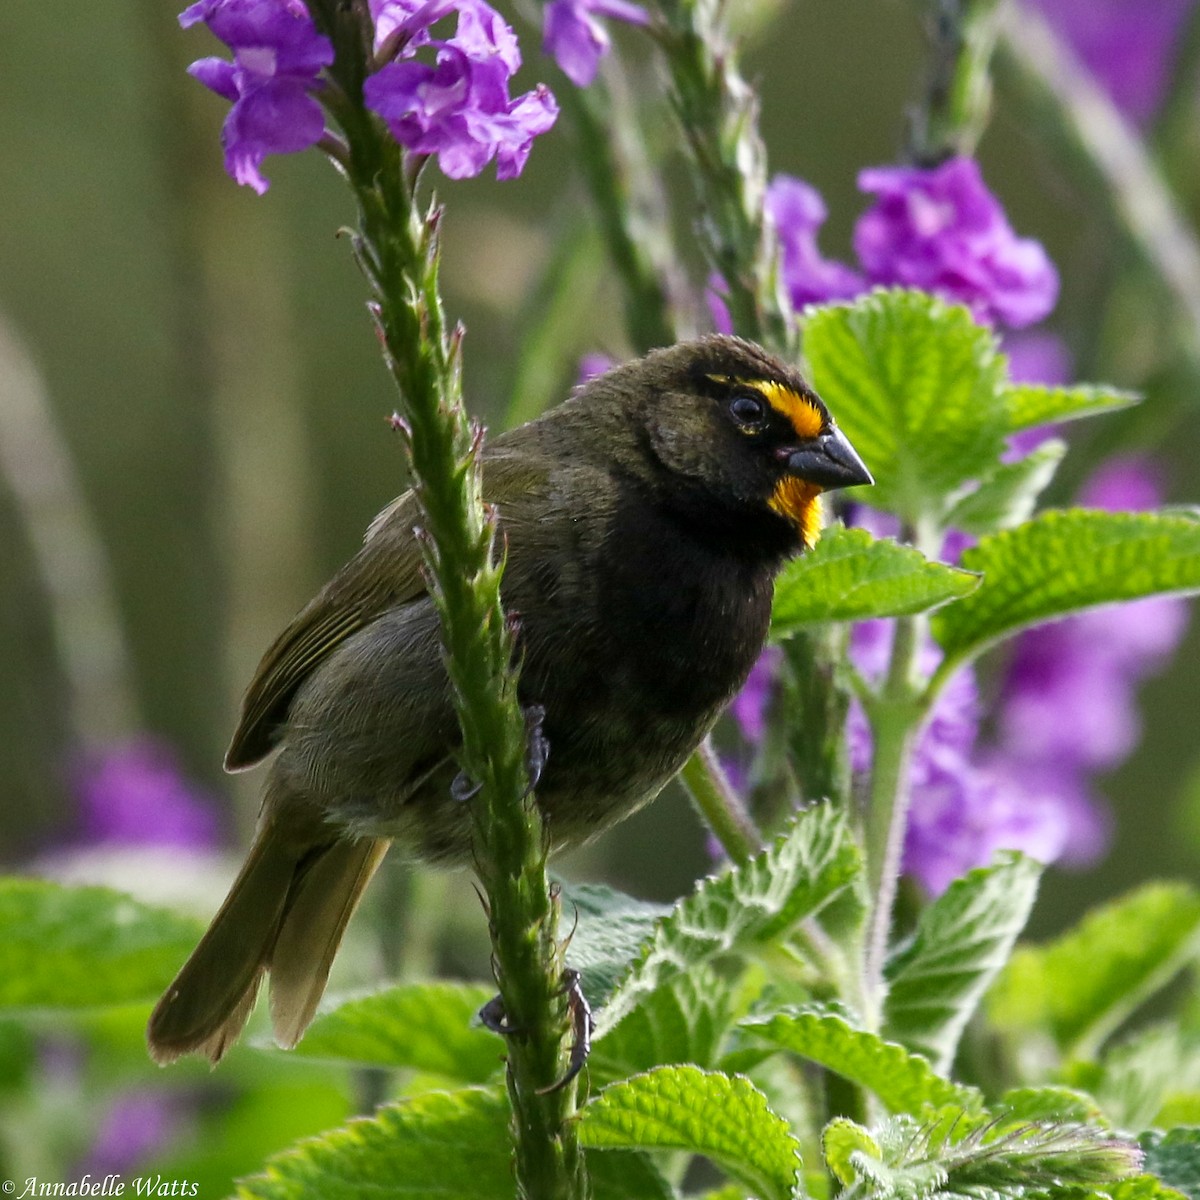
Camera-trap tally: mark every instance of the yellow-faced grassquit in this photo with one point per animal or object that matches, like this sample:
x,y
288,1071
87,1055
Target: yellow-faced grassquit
x,y
645,520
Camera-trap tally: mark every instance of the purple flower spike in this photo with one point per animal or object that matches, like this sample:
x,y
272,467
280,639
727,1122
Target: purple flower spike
x,y
278,56
575,39
798,213
941,230
135,794
459,108
749,707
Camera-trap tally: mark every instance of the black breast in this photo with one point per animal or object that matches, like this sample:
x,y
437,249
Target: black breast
x,y
635,657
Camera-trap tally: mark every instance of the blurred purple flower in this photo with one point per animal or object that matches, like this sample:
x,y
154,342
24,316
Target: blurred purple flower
x,y
1089,665
575,38
278,56
798,212
941,230
749,707
136,794
137,1125
1037,356
1129,45
459,107
591,365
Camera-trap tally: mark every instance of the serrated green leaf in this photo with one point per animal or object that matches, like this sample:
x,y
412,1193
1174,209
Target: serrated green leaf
x,y
1064,561
445,1144
916,386
963,939
425,1026
85,947
682,1021
725,1118
904,1082
1174,1157
1029,404
1007,496
1081,986
852,576
747,906
610,931
841,1140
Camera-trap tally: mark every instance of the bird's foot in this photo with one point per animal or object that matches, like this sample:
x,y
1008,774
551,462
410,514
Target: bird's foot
x,y
492,1016
537,745
537,751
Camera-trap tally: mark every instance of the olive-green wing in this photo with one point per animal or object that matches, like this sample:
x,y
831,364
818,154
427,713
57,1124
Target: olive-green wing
x,y
386,572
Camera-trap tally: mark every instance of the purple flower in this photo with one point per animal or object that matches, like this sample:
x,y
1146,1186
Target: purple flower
x,y
941,230
277,59
459,108
576,40
591,365
136,1126
798,212
1129,45
749,707
136,794
1037,356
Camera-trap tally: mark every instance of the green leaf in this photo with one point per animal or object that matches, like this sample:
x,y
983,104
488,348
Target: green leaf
x,y
904,1082
851,576
746,907
1174,1157
1154,1069
916,386
626,1175
425,1026
1063,561
1143,1187
1081,986
1050,1104
725,1118
682,1021
445,1144
610,931
962,940
85,947
1030,405
843,1139
1007,496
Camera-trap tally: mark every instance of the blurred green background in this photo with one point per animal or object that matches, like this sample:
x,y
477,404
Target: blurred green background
x,y
192,405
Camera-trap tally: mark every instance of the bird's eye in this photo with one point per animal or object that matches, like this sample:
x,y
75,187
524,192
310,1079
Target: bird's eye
x,y
748,411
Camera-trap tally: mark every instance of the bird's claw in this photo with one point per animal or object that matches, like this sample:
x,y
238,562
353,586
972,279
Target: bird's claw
x,y
492,1016
464,788
537,745
583,1025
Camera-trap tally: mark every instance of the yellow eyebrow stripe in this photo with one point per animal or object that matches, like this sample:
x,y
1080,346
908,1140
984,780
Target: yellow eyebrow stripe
x,y
805,417
803,414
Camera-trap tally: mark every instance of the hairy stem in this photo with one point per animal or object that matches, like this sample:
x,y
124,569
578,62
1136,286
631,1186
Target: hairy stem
x,y
894,716
397,248
720,805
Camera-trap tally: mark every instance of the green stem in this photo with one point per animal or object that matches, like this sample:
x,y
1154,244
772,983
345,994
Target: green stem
x,y
718,118
720,805
629,236
962,35
397,248
894,716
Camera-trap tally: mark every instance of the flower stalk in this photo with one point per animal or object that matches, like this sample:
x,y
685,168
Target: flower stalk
x,y
397,247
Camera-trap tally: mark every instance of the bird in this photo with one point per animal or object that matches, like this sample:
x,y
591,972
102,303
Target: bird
x,y
645,520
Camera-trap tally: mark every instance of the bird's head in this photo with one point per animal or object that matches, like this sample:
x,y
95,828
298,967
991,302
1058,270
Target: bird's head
x,y
734,431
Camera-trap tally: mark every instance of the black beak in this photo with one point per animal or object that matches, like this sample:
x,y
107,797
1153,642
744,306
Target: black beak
x,y
830,462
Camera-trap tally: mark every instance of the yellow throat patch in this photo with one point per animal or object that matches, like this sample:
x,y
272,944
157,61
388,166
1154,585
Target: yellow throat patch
x,y
800,503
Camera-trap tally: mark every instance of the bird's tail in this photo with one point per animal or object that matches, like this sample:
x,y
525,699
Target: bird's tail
x,y
285,914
